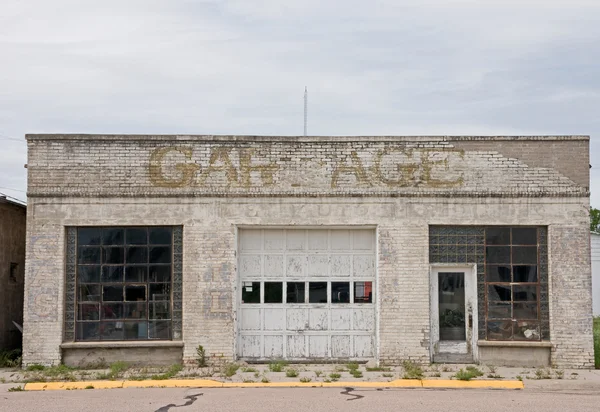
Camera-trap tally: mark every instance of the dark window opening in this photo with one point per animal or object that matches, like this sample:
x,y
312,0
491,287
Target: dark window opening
x,y
12,277
273,292
295,292
250,292
317,292
340,292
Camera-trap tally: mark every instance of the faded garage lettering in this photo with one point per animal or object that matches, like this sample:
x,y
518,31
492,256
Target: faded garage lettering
x,y
175,167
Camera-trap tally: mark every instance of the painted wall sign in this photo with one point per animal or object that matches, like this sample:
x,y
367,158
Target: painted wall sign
x,y
400,167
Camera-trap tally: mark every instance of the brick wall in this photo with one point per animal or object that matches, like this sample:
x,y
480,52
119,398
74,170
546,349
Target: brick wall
x,y
113,182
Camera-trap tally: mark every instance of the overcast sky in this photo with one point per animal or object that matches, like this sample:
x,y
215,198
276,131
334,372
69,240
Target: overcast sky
x,y
372,67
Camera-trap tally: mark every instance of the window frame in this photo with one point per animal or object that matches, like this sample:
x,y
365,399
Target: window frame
x,y
145,323
511,284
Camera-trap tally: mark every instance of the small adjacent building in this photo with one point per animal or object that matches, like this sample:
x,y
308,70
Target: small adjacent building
x,y
12,271
322,248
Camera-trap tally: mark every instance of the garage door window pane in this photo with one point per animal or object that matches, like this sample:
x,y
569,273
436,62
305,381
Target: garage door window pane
x,y
295,292
251,292
317,292
273,292
363,292
340,292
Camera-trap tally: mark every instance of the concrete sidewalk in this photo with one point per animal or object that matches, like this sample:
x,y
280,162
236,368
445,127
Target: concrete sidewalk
x,y
302,375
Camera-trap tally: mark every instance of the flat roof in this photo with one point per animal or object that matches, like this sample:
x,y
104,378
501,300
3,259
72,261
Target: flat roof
x,y
4,199
259,138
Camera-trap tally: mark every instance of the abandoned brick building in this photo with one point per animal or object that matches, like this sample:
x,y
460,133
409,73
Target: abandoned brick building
x,y
445,249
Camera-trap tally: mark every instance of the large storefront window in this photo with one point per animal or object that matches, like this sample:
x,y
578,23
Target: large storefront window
x,y
512,276
512,283
123,283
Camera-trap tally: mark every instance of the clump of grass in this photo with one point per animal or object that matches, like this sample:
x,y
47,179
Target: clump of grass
x,y
494,376
492,369
305,379
16,389
356,373
201,356
327,380
248,369
519,377
291,373
318,373
436,375
559,374
230,369
352,366
35,367
340,368
248,381
117,369
542,373
387,375
446,369
277,366
412,370
89,387
172,371
10,358
334,376
378,369
471,372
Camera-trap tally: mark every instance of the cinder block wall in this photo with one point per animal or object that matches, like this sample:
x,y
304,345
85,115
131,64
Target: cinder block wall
x,y
213,185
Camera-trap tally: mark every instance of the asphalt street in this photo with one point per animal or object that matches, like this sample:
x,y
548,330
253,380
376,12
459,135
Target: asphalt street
x,y
301,399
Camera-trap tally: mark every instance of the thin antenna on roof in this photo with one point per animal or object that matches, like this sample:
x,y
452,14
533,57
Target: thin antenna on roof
x,y
305,108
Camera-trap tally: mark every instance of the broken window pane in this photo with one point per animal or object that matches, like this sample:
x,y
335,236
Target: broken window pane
x,y
499,310
499,330
497,254
135,293
340,292
160,291
499,293
112,294
494,273
525,293
295,292
317,292
363,292
526,330
112,236
525,274
524,236
89,255
527,310
273,292
250,292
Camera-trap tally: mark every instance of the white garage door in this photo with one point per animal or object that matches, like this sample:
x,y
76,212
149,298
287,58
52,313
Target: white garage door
x,y
306,294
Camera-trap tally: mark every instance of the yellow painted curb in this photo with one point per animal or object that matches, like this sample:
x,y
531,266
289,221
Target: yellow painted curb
x,y
431,383
208,383
174,383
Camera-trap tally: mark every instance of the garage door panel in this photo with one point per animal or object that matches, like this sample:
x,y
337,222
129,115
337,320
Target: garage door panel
x,y
250,265
251,240
296,266
273,346
318,239
364,346
297,319
295,240
363,266
274,240
274,266
318,346
341,265
251,319
318,266
251,345
296,346
318,319
341,346
341,319
364,320
274,319
363,240
341,240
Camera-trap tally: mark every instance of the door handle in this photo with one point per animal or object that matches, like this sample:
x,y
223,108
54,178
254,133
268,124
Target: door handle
x,y
470,320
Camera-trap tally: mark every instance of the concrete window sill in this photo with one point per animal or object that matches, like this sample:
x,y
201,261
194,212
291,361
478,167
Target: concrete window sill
x,y
514,344
123,344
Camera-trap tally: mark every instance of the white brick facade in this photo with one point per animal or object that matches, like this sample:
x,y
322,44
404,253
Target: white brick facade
x,y
400,186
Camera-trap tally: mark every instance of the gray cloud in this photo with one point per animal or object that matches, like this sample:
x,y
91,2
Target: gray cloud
x,y
377,67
